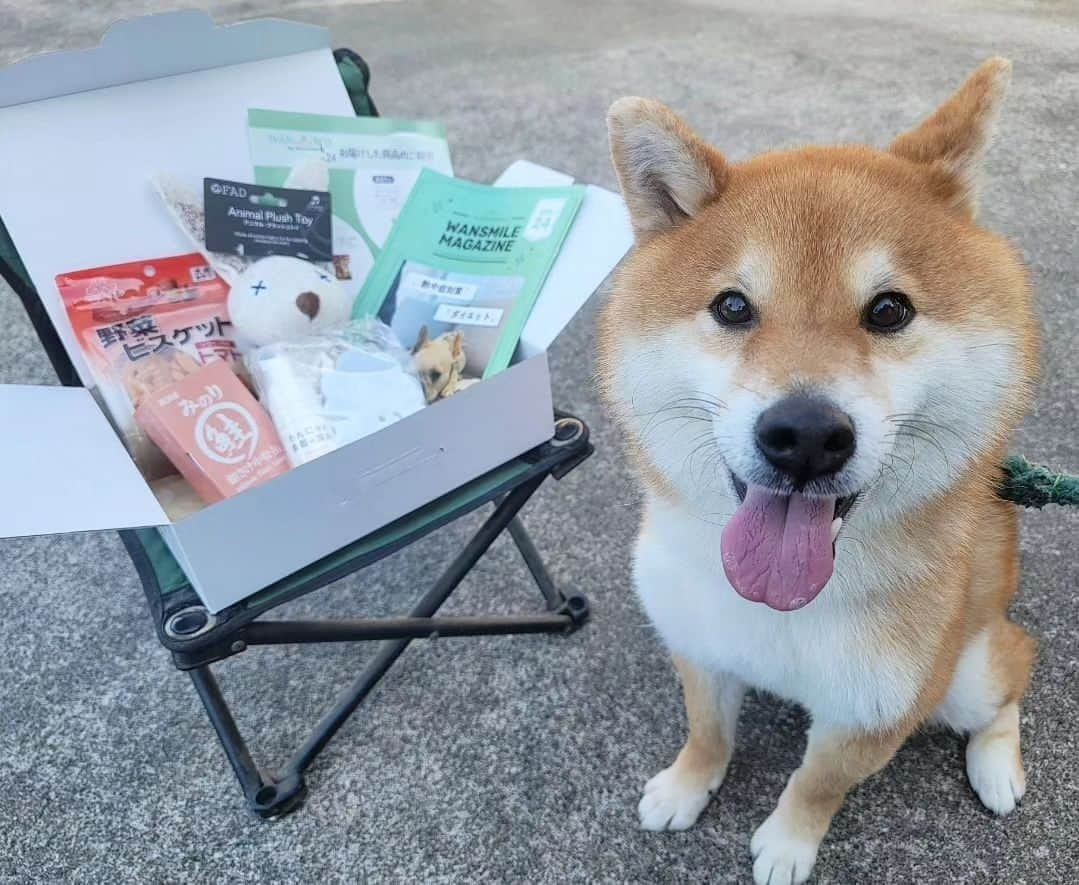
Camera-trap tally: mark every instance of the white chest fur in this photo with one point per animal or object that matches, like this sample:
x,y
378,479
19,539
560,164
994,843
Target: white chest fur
x,y
832,657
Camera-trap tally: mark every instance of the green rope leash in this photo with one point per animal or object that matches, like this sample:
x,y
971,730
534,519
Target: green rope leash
x,y
1029,485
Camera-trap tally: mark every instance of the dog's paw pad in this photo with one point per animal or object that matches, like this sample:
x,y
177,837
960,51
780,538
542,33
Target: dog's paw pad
x,y
779,856
672,801
996,773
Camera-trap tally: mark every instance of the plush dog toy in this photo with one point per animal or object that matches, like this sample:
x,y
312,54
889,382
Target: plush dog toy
x,y
439,363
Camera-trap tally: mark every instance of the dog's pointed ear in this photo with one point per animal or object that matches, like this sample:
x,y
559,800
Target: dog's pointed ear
x,y
421,340
955,138
666,172
458,344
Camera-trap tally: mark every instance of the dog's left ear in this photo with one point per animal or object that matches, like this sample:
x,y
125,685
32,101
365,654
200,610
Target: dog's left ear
x,y
954,140
421,340
667,173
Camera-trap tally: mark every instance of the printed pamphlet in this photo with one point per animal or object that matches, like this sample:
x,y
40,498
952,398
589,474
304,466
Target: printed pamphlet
x,y
372,165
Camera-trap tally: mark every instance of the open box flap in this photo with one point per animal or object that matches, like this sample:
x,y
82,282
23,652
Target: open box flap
x,y
154,46
75,188
599,238
63,468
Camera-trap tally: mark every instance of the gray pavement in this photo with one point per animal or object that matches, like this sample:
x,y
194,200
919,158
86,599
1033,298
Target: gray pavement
x,y
520,759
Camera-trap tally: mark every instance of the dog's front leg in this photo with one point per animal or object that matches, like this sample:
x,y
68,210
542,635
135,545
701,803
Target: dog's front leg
x,y
676,796
785,845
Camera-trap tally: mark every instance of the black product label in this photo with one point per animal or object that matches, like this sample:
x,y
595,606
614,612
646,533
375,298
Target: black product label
x,y
255,220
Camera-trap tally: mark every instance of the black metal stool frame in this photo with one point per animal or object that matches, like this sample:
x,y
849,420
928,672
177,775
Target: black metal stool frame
x,y
274,792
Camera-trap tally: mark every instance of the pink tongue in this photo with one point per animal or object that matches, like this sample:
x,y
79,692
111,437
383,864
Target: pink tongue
x,y
778,550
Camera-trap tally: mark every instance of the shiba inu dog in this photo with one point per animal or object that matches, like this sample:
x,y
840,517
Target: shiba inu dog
x,y
816,357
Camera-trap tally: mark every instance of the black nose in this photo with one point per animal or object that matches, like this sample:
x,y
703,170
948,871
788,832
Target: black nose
x,y
805,437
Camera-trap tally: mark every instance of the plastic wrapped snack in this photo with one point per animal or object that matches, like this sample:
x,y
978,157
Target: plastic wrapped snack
x,y
143,326
325,391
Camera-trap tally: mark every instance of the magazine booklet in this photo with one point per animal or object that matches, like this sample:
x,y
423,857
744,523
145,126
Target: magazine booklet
x,y
368,164
465,263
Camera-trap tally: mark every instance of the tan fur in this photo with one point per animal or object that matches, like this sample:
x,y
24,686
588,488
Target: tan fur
x,y
952,141
439,363
812,211
682,178
707,750
833,764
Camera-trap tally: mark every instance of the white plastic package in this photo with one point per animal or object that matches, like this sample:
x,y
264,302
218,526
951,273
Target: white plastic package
x,y
327,390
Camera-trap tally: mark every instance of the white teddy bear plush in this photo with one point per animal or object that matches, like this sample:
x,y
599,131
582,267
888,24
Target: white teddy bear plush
x,y
281,299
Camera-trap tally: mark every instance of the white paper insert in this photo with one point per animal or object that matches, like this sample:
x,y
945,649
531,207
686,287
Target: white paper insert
x,y
599,238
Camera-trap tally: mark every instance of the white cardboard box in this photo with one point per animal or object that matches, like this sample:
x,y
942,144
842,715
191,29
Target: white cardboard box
x,y
80,135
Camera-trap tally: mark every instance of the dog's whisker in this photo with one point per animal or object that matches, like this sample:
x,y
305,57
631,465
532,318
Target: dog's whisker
x,y
911,432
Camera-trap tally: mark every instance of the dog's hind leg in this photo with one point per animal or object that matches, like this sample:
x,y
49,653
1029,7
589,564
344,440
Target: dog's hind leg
x,y
675,797
993,670
983,700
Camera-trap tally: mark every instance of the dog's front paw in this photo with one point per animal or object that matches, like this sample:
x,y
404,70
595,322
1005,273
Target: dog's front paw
x,y
674,798
781,856
995,769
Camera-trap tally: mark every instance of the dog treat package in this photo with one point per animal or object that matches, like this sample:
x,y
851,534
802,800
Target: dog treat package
x,y
324,391
143,326
214,431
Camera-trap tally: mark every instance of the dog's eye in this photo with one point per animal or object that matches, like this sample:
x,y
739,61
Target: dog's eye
x,y
888,312
731,308
436,376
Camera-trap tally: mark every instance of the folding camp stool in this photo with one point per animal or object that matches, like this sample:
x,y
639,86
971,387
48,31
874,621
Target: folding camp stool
x,y
198,639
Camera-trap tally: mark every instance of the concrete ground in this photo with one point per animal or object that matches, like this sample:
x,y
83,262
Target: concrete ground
x,y
520,759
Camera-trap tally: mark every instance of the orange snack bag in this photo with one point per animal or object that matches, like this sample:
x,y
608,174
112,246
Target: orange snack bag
x,y
214,431
145,325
